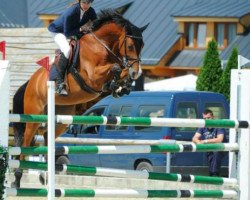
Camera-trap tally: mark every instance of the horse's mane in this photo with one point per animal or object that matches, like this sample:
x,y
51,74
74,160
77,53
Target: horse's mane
x,y
109,15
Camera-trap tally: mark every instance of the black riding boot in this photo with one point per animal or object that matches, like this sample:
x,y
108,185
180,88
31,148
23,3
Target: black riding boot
x,y
61,69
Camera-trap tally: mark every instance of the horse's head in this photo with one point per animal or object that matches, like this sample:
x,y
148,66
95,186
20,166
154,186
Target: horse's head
x,y
130,46
123,41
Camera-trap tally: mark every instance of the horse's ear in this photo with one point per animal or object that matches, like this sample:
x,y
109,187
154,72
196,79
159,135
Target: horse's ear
x,y
144,27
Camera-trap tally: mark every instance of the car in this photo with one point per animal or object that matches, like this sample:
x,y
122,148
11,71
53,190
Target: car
x,y
167,104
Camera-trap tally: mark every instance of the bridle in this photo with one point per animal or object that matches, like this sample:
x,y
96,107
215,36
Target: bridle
x,y
125,60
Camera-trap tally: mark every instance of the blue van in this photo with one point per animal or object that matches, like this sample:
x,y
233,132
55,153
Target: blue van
x,y
177,104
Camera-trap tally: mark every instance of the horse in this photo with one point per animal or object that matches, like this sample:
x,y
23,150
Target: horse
x,y
109,57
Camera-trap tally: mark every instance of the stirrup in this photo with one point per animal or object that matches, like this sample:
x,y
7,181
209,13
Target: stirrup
x,y
61,89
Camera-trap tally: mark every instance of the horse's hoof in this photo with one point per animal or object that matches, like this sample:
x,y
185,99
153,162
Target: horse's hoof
x,y
43,178
125,91
15,184
115,95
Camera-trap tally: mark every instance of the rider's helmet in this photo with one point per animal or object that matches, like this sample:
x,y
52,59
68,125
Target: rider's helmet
x,y
86,1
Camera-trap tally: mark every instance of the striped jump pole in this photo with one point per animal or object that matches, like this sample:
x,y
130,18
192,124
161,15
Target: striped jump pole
x,y
133,121
99,171
125,149
124,193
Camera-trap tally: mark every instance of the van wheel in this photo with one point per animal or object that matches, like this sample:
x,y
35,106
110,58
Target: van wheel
x,y
144,166
62,160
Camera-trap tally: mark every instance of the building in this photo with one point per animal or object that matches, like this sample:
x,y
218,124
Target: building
x,y
175,40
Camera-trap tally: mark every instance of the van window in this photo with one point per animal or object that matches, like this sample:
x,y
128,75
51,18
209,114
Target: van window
x,y
95,112
89,128
121,111
150,111
186,110
218,110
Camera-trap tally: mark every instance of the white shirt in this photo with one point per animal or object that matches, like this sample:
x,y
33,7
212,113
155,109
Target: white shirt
x,y
81,14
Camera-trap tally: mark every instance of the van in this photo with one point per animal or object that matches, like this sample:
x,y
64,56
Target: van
x,y
174,104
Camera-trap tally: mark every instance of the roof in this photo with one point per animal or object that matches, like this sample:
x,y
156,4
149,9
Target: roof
x,y
161,33
7,19
241,43
59,5
187,58
152,94
25,12
216,8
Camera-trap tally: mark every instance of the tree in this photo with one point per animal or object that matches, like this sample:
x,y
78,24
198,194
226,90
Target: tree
x,y
210,74
226,76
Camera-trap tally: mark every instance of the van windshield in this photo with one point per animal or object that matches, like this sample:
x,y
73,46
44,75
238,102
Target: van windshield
x,y
150,111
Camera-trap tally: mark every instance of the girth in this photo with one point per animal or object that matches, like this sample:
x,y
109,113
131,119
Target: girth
x,y
75,48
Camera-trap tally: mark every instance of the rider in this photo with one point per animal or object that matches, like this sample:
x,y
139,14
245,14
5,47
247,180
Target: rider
x,y
69,23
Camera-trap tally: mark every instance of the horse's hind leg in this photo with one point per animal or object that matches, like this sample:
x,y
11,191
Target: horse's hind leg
x,y
30,128
18,172
29,133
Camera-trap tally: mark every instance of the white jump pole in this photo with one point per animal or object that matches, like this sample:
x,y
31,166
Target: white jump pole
x,y
4,102
51,140
240,109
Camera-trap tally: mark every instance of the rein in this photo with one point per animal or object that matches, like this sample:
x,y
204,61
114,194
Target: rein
x,y
124,61
124,64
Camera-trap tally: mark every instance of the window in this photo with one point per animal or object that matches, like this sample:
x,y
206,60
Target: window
x,y
190,35
220,34
186,110
218,110
196,34
201,35
89,128
150,111
122,111
225,34
231,32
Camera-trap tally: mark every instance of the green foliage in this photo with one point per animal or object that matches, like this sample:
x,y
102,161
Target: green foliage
x,y
226,76
210,74
3,169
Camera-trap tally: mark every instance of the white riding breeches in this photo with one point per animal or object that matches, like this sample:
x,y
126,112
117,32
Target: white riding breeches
x,y
62,43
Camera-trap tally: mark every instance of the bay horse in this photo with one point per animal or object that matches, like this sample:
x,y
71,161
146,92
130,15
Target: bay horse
x,y
109,53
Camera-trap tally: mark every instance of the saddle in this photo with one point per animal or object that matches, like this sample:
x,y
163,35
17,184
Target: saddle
x,y
72,66
73,56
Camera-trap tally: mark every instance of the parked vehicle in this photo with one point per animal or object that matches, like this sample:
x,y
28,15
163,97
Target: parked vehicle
x,y
177,104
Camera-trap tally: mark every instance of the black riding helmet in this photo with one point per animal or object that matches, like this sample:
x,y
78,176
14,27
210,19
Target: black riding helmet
x,y
86,1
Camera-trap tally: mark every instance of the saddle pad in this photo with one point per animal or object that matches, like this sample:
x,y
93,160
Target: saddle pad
x,y
53,73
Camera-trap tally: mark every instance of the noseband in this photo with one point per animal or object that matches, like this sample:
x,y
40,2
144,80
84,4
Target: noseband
x,y
124,61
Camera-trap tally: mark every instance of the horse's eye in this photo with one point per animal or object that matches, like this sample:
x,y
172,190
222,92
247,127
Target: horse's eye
x,y
131,48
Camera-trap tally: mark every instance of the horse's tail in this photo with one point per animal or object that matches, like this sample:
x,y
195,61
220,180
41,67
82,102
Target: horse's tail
x,y
18,108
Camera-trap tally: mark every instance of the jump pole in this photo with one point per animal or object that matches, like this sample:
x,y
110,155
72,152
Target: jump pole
x,y
51,140
50,119
4,101
240,109
4,115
